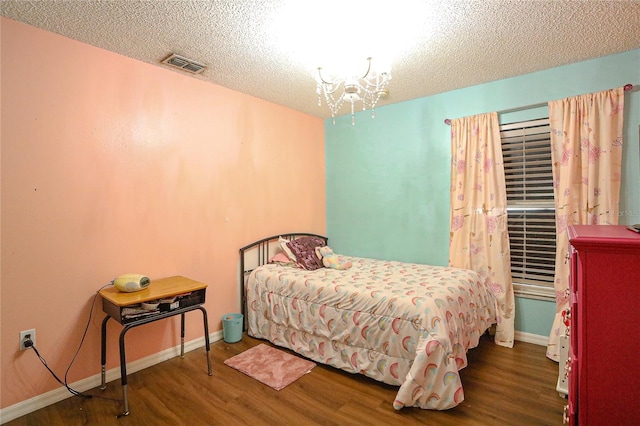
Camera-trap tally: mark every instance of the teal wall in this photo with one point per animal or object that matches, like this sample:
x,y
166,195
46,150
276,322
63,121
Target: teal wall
x,y
388,177
534,316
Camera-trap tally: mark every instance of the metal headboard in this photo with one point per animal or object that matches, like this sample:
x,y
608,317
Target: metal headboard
x,y
263,250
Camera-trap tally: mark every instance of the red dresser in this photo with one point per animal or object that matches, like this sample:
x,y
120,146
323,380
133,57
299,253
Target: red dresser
x,y
604,355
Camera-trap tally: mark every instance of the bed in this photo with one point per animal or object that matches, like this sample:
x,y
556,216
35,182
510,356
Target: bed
x,y
404,324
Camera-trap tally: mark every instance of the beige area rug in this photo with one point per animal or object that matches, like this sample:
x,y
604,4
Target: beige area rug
x,y
271,366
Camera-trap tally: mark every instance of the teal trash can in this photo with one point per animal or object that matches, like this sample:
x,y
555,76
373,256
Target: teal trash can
x,y
232,327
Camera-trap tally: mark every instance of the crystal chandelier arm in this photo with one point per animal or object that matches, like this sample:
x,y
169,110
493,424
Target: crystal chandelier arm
x,y
329,88
366,74
322,79
368,69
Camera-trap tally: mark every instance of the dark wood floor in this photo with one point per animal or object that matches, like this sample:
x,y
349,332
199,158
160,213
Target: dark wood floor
x,y
502,387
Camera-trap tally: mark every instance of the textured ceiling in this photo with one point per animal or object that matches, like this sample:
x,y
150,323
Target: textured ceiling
x,y
271,48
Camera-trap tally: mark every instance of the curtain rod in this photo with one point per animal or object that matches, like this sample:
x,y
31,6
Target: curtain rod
x,y
447,121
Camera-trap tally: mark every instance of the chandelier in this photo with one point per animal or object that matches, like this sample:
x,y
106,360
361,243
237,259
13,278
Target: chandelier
x,y
366,89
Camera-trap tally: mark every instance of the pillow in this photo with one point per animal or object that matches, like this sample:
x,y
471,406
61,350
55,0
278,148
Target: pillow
x,y
285,248
281,258
304,250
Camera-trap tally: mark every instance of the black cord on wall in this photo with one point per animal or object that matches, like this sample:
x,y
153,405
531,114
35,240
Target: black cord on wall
x,y
29,344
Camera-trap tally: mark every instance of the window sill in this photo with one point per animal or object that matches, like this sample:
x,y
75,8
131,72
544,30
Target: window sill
x,y
537,292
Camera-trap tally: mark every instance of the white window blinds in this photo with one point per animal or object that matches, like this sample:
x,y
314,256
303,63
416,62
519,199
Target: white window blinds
x,y
526,150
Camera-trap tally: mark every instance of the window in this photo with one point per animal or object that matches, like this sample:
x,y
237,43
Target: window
x,y
526,150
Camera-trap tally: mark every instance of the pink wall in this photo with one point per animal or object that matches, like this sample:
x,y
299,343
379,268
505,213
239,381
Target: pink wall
x,y
111,165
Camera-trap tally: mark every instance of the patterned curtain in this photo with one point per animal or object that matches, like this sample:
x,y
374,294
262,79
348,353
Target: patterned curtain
x,y
586,146
478,220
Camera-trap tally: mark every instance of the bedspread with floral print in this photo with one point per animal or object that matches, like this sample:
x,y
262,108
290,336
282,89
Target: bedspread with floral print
x,y
403,324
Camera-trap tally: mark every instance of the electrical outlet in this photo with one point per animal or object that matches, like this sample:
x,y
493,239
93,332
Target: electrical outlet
x,y
27,335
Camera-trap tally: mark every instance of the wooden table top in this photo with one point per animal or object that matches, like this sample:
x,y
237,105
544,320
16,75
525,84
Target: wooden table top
x,y
158,289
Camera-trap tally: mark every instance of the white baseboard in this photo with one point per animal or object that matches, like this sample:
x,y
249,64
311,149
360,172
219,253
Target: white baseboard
x,y
37,402
536,339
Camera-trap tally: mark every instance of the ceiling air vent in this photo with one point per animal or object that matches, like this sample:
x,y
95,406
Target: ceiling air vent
x,y
184,64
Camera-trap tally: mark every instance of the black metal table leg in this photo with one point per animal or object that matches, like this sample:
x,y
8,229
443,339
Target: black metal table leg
x,y
123,372
182,335
103,353
206,338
